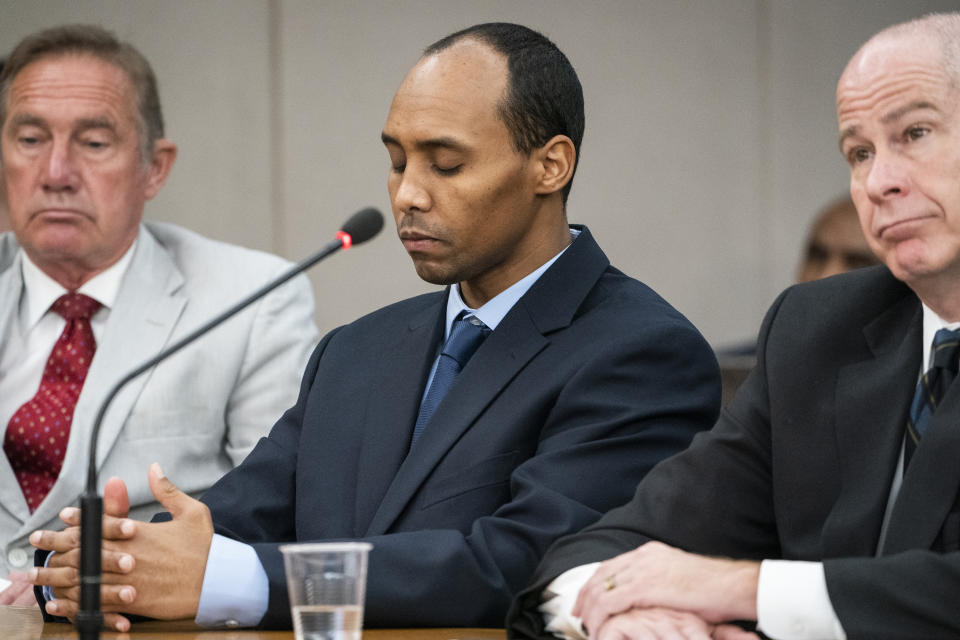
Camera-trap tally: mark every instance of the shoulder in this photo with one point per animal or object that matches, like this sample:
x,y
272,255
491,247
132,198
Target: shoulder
x,y
836,318
422,308
8,249
850,299
199,257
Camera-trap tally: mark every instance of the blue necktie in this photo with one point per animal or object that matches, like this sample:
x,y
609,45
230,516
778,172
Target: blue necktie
x,y
931,388
465,337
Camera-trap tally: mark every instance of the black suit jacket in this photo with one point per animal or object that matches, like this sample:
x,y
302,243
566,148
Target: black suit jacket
x,y
587,382
799,466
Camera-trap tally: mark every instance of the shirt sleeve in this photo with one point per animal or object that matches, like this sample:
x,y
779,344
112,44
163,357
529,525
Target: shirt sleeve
x,y
235,590
559,598
793,602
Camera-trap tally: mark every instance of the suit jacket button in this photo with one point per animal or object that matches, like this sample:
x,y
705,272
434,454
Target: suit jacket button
x,y
17,557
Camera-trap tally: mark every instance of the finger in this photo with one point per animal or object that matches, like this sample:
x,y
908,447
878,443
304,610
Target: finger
x,y
732,632
27,597
70,516
113,597
110,561
18,584
117,596
116,622
118,528
166,493
589,584
66,559
58,577
601,607
66,594
61,607
59,541
116,501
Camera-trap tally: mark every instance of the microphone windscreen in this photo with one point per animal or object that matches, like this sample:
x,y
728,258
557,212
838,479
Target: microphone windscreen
x,y
363,225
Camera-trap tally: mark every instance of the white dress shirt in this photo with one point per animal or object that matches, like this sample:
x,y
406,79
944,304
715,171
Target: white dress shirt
x,y
792,598
35,328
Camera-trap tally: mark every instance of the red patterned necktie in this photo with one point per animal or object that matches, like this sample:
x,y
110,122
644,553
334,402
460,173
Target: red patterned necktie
x,y
36,438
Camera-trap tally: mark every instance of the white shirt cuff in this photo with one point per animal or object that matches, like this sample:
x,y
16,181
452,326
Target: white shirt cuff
x,y
559,598
793,602
235,590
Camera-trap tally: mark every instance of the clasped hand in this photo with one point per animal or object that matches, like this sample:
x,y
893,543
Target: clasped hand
x,y
149,569
658,591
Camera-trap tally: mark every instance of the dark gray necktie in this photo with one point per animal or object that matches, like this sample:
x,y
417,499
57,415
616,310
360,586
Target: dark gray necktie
x,y
931,388
465,337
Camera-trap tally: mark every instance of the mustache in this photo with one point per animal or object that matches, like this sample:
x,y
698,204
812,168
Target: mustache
x,y
408,228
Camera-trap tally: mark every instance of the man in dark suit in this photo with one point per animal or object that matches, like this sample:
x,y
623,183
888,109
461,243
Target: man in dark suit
x,y
824,503
583,379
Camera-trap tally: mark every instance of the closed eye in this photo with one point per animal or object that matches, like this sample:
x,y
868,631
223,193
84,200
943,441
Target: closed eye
x,y
448,171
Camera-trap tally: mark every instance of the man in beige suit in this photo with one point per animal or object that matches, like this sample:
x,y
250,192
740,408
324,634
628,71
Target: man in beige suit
x,y
83,150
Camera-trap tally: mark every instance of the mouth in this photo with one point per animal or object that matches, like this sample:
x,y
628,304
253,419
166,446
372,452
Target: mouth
x,y
59,213
414,241
902,228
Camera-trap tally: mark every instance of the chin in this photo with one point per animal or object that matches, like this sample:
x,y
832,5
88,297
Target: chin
x,y
433,275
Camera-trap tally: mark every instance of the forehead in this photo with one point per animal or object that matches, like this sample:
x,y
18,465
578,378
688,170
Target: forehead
x,y
891,75
452,94
80,83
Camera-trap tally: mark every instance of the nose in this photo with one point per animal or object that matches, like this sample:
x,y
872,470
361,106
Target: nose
x,y
411,194
887,178
60,173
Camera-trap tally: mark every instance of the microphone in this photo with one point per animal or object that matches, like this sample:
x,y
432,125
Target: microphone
x,y
360,227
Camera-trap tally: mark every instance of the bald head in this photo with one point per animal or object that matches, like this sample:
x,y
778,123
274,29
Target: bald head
x,y
898,115
940,30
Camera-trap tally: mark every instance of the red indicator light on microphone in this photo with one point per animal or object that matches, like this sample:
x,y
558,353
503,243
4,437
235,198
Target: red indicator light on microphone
x,y
345,239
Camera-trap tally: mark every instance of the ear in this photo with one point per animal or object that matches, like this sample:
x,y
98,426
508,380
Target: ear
x,y
556,160
161,162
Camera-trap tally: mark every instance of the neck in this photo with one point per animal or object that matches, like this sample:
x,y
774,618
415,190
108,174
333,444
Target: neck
x,y
478,291
942,295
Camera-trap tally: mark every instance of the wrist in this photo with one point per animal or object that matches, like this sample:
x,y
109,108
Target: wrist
x,y
742,589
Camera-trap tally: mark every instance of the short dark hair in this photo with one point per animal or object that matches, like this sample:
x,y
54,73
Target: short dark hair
x,y
100,43
544,97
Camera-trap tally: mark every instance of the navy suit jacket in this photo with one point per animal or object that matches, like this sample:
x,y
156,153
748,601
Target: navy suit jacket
x,y
799,466
588,381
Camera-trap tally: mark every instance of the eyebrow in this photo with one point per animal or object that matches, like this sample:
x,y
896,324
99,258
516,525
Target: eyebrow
x,y
30,120
95,123
443,142
891,116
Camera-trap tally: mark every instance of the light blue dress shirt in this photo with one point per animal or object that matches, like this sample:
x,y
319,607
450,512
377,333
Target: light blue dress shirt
x,y
235,589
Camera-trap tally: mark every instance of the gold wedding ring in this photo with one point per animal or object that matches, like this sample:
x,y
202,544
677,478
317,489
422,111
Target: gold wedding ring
x,y
609,584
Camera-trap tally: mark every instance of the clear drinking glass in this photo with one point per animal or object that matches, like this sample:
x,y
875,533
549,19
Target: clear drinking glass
x,y
327,582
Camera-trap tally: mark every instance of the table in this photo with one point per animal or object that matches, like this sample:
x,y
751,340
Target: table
x,y
22,623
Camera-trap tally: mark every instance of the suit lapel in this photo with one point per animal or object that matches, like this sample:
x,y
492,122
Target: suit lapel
x,y
11,289
549,305
930,484
388,423
146,310
872,401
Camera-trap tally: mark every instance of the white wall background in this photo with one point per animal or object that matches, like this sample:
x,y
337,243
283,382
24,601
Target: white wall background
x,y
710,142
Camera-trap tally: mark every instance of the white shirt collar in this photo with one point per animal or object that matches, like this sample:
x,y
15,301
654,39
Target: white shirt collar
x,y
931,324
41,291
497,307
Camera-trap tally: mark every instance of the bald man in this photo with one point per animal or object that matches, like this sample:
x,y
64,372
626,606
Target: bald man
x,y
824,502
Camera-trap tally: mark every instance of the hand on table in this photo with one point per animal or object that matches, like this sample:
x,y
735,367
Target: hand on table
x,y
149,569
657,575
654,623
19,593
